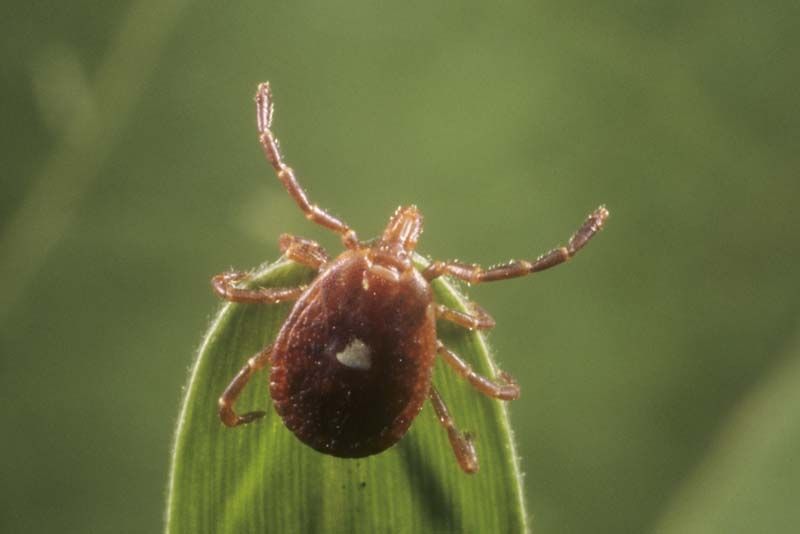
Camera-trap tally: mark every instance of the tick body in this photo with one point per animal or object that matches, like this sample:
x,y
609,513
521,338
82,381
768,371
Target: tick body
x,y
351,366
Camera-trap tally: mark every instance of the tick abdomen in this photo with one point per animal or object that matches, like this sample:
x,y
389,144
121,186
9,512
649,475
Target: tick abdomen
x,y
351,366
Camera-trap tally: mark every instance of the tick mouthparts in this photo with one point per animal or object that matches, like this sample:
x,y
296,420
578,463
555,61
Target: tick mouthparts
x,y
404,227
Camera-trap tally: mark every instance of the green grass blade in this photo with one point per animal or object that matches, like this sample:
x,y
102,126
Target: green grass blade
x,y
260,478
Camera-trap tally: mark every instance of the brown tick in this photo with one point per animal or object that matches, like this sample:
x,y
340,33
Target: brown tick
x,y
351,366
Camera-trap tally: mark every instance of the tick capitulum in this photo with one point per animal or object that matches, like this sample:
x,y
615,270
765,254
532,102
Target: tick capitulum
x,y
351,367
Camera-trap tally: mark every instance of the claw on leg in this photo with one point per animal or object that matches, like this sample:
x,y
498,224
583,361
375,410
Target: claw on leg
x,y
226,412
462,443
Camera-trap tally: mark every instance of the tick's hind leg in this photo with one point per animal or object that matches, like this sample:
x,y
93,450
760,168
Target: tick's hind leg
x,y
305,251
286,175
475,274
225,286
506,390
234,389
462,444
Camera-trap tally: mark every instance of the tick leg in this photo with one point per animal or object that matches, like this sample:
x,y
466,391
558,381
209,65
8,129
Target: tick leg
x,y
507,390
303,251
462,444
475,273
286,175
479,319
225,286
234,389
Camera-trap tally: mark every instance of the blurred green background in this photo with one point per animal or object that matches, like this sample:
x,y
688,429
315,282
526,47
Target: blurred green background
x,y
659,369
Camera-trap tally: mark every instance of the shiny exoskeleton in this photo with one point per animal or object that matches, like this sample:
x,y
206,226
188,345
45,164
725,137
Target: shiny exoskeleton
x,y
351,366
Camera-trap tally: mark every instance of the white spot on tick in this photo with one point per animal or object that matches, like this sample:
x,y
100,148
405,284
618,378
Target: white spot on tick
x,y
356,355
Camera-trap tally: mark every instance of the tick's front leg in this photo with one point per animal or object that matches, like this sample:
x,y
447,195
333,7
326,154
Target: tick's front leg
x,y
225,286
269,144
234,389
462,444
506,390
475,274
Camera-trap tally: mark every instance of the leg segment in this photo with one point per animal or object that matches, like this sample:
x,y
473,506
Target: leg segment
x,y
303,251
507,390
462,444
286,175
479,319
224,286
475,273
234,389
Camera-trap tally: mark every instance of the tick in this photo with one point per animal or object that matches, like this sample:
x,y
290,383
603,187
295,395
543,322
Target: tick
x,y
351,367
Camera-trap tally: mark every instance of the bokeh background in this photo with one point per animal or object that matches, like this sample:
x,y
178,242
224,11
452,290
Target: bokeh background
x,y
659,369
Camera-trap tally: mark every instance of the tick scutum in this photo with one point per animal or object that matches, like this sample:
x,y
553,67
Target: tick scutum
x,y
351,367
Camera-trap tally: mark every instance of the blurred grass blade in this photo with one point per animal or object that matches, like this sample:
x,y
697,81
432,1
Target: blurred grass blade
x,y
750,481
53,199
260,478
